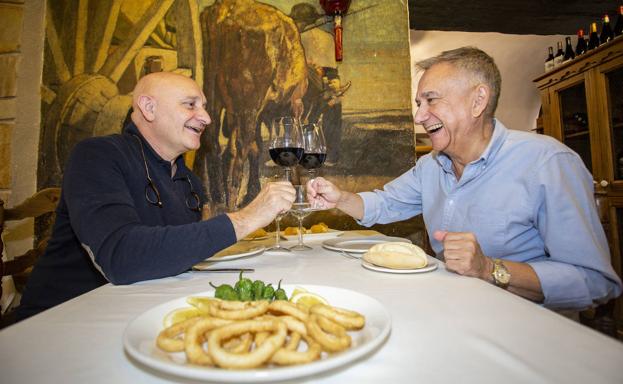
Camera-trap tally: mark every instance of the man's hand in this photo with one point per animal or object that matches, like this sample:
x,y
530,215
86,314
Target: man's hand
x,y
273,199
463,254
321,193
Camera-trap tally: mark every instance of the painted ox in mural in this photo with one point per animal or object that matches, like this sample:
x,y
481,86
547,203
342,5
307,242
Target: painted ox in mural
x,y
254,70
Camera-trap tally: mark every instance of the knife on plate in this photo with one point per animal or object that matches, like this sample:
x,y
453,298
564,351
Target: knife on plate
x,y
206,269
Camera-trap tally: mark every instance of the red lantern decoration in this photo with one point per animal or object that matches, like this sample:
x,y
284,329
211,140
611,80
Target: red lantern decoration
x,y
336,9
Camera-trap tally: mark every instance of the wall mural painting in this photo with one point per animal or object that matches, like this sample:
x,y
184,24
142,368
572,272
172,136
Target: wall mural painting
x,y
256,60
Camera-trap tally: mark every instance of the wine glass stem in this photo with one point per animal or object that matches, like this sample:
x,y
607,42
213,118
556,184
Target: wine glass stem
x,y
300,230
312,173
288,173
278,232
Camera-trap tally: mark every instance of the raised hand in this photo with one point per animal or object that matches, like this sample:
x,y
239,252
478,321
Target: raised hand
x,y
321,193
274,199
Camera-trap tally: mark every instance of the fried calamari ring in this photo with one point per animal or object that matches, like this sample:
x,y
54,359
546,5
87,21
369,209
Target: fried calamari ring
x,y
293,342
249,310
329,334
170,339
283,356
350,320
255,358
289,308
195,337
240,344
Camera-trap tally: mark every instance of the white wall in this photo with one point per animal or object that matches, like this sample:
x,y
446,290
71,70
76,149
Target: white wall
x,y
520,59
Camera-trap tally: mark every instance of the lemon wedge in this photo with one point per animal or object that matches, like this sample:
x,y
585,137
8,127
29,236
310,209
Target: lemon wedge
x,y
200,302
298,290
308,299
180,314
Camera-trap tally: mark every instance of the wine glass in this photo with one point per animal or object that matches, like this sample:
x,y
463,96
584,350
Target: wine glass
x,y
300,208
277,246
286,148
315,149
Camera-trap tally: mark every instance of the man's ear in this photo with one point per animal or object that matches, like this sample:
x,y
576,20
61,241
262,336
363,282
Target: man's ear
x,y
147,106
480,100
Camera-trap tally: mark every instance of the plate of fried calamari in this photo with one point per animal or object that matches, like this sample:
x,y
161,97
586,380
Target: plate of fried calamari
x,y
257,341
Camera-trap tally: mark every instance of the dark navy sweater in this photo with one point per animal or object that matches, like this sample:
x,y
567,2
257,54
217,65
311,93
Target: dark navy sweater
x,y
106,230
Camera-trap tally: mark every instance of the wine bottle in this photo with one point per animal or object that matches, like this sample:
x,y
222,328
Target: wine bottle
x,y
569,54
549,61
559,56
618,27
606,31
593,39
580,47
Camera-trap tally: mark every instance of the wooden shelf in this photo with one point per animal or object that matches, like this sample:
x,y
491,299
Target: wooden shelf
x,y
577,134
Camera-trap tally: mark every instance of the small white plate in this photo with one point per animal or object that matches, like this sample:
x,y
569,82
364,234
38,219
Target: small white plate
x,y
359,244
236,251
139,340
431,266
331,233
255,238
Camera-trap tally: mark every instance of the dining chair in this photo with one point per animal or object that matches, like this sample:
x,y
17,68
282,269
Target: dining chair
x,y
19,267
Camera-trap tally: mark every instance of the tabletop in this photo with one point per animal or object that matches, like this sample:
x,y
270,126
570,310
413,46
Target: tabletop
x,y
444,328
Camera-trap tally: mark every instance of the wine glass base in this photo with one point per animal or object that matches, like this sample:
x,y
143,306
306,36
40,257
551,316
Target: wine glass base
x,y
278,248
300,247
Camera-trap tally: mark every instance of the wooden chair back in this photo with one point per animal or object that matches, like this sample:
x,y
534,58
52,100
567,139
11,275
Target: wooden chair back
x,y
19,266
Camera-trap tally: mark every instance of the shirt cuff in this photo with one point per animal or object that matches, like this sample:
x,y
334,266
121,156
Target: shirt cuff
x,y
563,285
370,209
222,228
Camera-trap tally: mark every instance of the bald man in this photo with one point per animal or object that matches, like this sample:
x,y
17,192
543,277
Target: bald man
x,y
130,209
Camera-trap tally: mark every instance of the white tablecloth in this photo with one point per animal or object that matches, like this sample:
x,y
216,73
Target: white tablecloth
x,y
445,328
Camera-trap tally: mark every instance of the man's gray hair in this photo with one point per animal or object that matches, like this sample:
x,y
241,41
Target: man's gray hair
x,y
476,62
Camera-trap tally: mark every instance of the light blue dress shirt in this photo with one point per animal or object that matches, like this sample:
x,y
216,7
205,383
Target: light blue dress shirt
x,y
527,198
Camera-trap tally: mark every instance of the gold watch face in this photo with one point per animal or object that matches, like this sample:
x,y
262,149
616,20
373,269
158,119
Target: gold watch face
x,y
500,274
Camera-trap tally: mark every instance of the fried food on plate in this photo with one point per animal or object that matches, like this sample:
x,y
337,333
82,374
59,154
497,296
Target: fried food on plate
x,y
319,228
247,335
257,234
397,256
291,231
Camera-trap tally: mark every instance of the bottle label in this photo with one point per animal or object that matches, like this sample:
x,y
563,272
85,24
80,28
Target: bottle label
x,y
558,61
549,65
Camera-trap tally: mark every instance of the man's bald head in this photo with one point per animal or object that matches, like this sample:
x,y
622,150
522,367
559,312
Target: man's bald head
x,y
169,111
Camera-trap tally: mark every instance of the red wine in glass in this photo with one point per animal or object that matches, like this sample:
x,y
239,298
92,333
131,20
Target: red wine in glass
x,y
311,161
286,156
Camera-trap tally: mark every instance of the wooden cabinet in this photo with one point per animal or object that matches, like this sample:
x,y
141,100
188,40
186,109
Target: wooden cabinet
x,y
583,107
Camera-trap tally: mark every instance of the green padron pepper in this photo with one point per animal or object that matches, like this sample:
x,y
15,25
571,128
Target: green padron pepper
x,y
225,292
258,289
280,293
244,288
269,292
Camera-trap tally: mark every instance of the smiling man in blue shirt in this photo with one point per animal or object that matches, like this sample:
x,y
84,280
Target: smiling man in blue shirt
x,y
512,208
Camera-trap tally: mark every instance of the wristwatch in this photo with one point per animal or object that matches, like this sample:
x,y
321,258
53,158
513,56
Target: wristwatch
x,y
500,274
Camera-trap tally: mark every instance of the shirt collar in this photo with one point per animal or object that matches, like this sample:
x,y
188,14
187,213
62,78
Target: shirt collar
x,y
497,139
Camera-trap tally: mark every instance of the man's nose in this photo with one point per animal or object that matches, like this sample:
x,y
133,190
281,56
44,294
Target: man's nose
x,y
421,115
204,117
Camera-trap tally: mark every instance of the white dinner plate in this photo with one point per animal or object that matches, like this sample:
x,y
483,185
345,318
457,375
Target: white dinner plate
x,y
331,233
359,245
139,341
431,266
236,251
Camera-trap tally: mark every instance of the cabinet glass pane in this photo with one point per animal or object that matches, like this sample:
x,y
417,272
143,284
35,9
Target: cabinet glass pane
x,y
575,132
615,102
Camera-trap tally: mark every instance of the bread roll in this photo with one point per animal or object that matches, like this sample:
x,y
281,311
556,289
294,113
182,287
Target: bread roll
x,y
396,256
